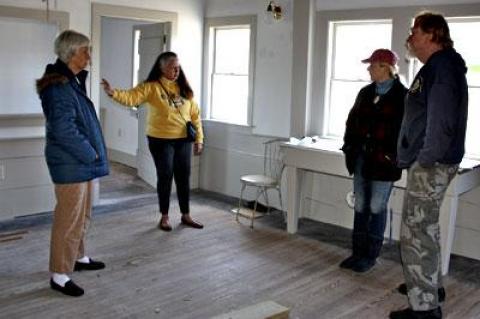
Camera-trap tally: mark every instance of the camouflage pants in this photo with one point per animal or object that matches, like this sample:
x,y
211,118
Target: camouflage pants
x,y
420,233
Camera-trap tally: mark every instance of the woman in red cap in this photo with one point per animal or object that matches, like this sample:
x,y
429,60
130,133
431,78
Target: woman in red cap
x,y
370,144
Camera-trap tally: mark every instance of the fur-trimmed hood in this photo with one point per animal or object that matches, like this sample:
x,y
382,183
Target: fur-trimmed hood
x,y
59,73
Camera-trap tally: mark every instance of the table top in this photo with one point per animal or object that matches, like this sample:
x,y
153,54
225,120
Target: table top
x,y
333,146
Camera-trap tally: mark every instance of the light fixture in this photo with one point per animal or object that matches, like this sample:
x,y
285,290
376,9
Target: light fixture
x,y
275,10
47,12
48,6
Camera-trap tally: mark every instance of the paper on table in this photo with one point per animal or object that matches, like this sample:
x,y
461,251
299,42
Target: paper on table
x,y
306,140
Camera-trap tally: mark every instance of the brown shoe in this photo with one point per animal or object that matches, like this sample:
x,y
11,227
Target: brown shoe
x,y
191,223
164,225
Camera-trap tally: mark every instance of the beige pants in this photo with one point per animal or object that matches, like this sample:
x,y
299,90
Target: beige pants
x,y
70,222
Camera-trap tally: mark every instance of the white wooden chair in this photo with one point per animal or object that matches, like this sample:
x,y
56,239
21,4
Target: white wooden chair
x,y
270,178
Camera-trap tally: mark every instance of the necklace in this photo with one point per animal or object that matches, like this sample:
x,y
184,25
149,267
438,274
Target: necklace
x,y
173,100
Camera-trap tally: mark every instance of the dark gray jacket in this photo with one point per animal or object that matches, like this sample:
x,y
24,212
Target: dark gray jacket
x,y
435,118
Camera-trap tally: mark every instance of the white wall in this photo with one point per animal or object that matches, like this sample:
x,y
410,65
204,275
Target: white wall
x,y
188,40
273,63
235,151
34,52
31,179
232,151
324,194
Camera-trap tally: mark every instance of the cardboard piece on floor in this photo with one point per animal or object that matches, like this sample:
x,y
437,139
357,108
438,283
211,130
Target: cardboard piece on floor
x,y
263,310
247,212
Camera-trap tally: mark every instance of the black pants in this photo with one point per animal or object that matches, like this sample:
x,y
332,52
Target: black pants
x,y
172,160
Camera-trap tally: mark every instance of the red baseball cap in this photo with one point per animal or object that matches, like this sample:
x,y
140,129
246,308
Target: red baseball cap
x,y
382,55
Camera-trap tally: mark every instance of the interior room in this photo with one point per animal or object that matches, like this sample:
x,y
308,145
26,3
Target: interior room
x,y
284,72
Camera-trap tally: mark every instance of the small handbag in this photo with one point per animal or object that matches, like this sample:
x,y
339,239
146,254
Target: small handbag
x,y
191,132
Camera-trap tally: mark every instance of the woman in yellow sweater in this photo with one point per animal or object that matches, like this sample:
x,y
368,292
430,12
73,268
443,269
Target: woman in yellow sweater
x,y
170,106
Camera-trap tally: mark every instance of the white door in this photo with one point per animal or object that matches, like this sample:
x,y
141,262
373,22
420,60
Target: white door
x,y
154,39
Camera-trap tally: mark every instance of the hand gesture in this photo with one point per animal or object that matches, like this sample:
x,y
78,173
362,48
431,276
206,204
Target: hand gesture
x,y
106,87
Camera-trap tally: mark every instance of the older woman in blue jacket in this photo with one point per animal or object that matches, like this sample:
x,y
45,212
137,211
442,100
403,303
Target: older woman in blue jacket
x,y
75,153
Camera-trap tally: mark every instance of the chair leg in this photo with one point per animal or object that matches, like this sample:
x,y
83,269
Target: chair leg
x,y
240,201
259,192
265,194
281,204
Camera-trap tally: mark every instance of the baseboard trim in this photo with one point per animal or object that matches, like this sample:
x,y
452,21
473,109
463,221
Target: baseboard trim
x,y
122,157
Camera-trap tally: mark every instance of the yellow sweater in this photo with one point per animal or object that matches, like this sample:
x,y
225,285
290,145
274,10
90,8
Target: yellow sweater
x,y
163,119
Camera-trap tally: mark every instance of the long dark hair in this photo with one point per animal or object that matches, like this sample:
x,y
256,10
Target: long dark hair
x,y
156,73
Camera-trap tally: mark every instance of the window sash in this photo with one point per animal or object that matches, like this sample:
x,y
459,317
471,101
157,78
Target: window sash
x,y
472,150
233,107
339,102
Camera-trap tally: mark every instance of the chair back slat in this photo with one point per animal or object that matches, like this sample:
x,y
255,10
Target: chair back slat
x,y
273,159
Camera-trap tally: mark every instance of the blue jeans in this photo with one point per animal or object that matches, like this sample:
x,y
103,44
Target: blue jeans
x,y
371,201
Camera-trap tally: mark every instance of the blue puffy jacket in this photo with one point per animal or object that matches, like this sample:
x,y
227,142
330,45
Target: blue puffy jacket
x,y
75,150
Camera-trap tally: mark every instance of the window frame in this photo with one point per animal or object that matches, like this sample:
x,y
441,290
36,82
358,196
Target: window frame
x,y
211,25
330,69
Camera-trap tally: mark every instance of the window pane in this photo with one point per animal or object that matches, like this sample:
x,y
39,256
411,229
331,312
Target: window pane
x,y
351,43
232,50
230,98
462,30
462,33
342,97
472,147
354,42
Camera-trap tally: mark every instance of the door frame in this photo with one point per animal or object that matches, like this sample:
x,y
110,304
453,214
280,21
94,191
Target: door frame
x,y
100,11
121,12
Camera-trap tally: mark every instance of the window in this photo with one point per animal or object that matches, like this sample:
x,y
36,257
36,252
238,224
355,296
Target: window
x,y
349,43
136,56
229,78
461,31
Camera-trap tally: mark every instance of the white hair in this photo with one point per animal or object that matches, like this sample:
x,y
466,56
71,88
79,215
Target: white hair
x,y
68,42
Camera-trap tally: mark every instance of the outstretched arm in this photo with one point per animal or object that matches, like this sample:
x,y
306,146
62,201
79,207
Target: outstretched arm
x,y
131,97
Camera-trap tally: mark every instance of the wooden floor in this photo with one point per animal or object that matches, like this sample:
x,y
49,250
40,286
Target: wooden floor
x,y
199,274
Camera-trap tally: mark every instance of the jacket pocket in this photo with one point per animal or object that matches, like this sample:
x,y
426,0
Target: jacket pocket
x,y
404,143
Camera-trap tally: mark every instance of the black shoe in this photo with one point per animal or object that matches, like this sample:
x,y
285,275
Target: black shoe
x,y
412,314
363,265
92,265
349,262
402,288
70,289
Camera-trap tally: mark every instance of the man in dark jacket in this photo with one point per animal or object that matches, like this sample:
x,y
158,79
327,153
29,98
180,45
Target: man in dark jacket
x,y
76,155
430,146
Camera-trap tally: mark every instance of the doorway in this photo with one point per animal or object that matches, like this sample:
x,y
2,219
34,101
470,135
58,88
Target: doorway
x,y
125,44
